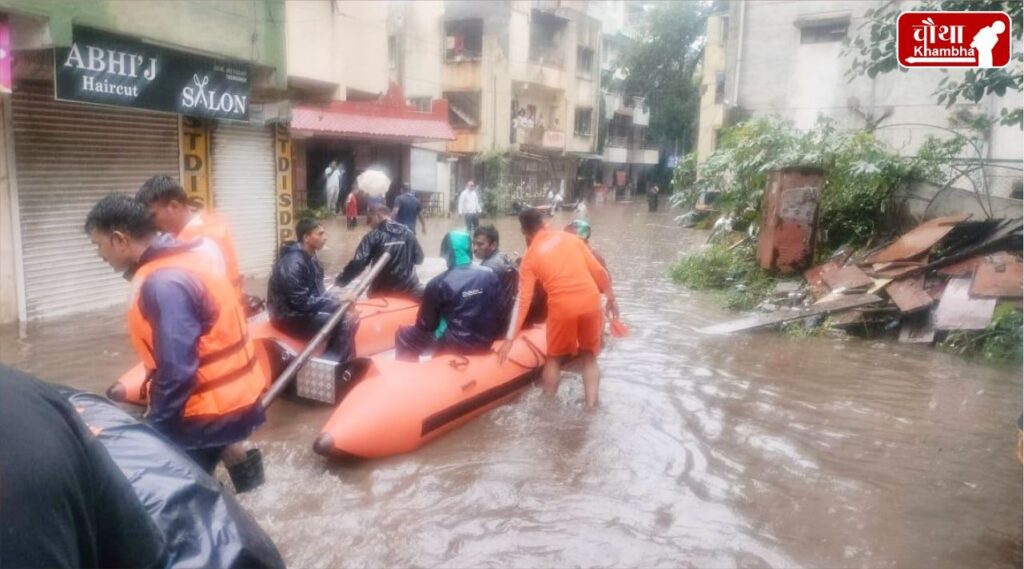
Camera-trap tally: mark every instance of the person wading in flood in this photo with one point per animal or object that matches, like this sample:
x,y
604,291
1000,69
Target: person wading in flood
x,y
167,202
469,206
189,330
408,209
574,281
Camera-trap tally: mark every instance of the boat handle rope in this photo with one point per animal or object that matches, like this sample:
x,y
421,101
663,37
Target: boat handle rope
x,y
536,351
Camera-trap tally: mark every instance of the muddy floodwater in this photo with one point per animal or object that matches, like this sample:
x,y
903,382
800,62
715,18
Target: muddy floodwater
x,y
738,451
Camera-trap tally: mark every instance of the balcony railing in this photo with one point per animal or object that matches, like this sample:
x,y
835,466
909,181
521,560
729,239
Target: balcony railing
x,y
539,137
550,55
630,143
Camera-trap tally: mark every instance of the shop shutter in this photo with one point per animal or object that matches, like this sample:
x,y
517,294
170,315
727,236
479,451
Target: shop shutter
x,y
68,156
244,192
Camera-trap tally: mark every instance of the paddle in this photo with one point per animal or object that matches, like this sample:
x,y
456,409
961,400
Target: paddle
x,y
293,369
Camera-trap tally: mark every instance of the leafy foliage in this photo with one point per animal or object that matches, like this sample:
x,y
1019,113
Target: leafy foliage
x,y
874,51
662,65
862,175
742,283
1002,341
315,213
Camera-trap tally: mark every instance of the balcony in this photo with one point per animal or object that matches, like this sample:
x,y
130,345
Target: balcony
x,y
461,76
623,150
539,138
615,154
466,141
642,155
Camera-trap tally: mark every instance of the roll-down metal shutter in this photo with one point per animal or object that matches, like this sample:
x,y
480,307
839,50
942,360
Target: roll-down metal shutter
x,y
68,156
244,192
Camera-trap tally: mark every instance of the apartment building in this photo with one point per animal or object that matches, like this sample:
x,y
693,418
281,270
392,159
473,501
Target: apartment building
x,y
523,77
364,79
785,59
627,155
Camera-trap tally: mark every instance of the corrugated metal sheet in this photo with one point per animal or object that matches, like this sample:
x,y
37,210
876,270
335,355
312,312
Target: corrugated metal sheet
x,y
349,123
68,156
244,192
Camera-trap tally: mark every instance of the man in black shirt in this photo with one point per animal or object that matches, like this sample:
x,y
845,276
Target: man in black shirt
x,y
63,501
399,275
485,248
408,209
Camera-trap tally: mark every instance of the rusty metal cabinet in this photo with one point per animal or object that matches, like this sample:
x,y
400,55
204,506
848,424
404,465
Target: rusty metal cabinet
x,y
790,217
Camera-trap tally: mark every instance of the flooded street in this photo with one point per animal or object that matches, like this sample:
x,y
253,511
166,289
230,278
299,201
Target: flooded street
x,y
748,450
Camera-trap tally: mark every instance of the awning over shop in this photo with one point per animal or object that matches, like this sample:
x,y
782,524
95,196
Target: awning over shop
x,y
388,118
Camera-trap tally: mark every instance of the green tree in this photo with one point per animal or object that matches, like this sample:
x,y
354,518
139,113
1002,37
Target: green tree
x,y
661,66
874,50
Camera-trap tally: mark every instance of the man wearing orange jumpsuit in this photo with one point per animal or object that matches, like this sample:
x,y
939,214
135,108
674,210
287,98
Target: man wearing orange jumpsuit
x,y
574,281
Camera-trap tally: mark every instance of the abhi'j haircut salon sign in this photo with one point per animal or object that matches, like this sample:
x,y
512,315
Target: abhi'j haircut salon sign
x,y
110,69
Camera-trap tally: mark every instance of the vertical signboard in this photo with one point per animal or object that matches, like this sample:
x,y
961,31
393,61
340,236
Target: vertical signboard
x,y
5,55
283,161
195,162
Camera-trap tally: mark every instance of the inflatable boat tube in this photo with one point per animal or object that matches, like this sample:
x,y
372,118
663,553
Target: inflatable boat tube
x,y
395,407
379,318
202,525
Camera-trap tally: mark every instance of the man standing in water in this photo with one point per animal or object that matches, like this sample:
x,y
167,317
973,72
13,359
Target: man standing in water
x,y
332,186
189,330
469,206
574,281
167,203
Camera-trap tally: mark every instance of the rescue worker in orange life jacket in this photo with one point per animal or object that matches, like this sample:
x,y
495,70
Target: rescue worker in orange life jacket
x,y
187,327
168,204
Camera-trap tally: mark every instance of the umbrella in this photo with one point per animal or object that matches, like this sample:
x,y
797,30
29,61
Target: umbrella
x,y
374,182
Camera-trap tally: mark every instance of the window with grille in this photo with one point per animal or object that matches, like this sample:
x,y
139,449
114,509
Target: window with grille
x,y
824,33
584,61
584,119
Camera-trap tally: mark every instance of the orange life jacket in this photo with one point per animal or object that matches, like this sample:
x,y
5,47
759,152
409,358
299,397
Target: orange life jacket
x,y
211,227
228,378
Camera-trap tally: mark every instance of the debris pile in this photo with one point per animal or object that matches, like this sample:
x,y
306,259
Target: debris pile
x,y
946,274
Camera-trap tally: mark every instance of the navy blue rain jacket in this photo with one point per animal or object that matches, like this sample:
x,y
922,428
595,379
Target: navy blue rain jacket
x,y
399,275
296,289
469,299
180,310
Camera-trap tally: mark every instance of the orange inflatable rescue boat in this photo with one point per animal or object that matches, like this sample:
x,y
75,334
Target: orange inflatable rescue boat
x,y
379,318
398,406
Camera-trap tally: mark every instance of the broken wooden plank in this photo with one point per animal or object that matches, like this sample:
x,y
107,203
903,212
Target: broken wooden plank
x,y
848,278
958,311
909,294
917,329
1000,275
1006,235
778,317
965,267
815,285
918,240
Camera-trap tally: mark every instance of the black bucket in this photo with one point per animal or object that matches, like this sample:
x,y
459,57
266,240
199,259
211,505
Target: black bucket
x,y
248,474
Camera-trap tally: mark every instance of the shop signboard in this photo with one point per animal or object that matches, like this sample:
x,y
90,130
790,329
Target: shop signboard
x,y
109,69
